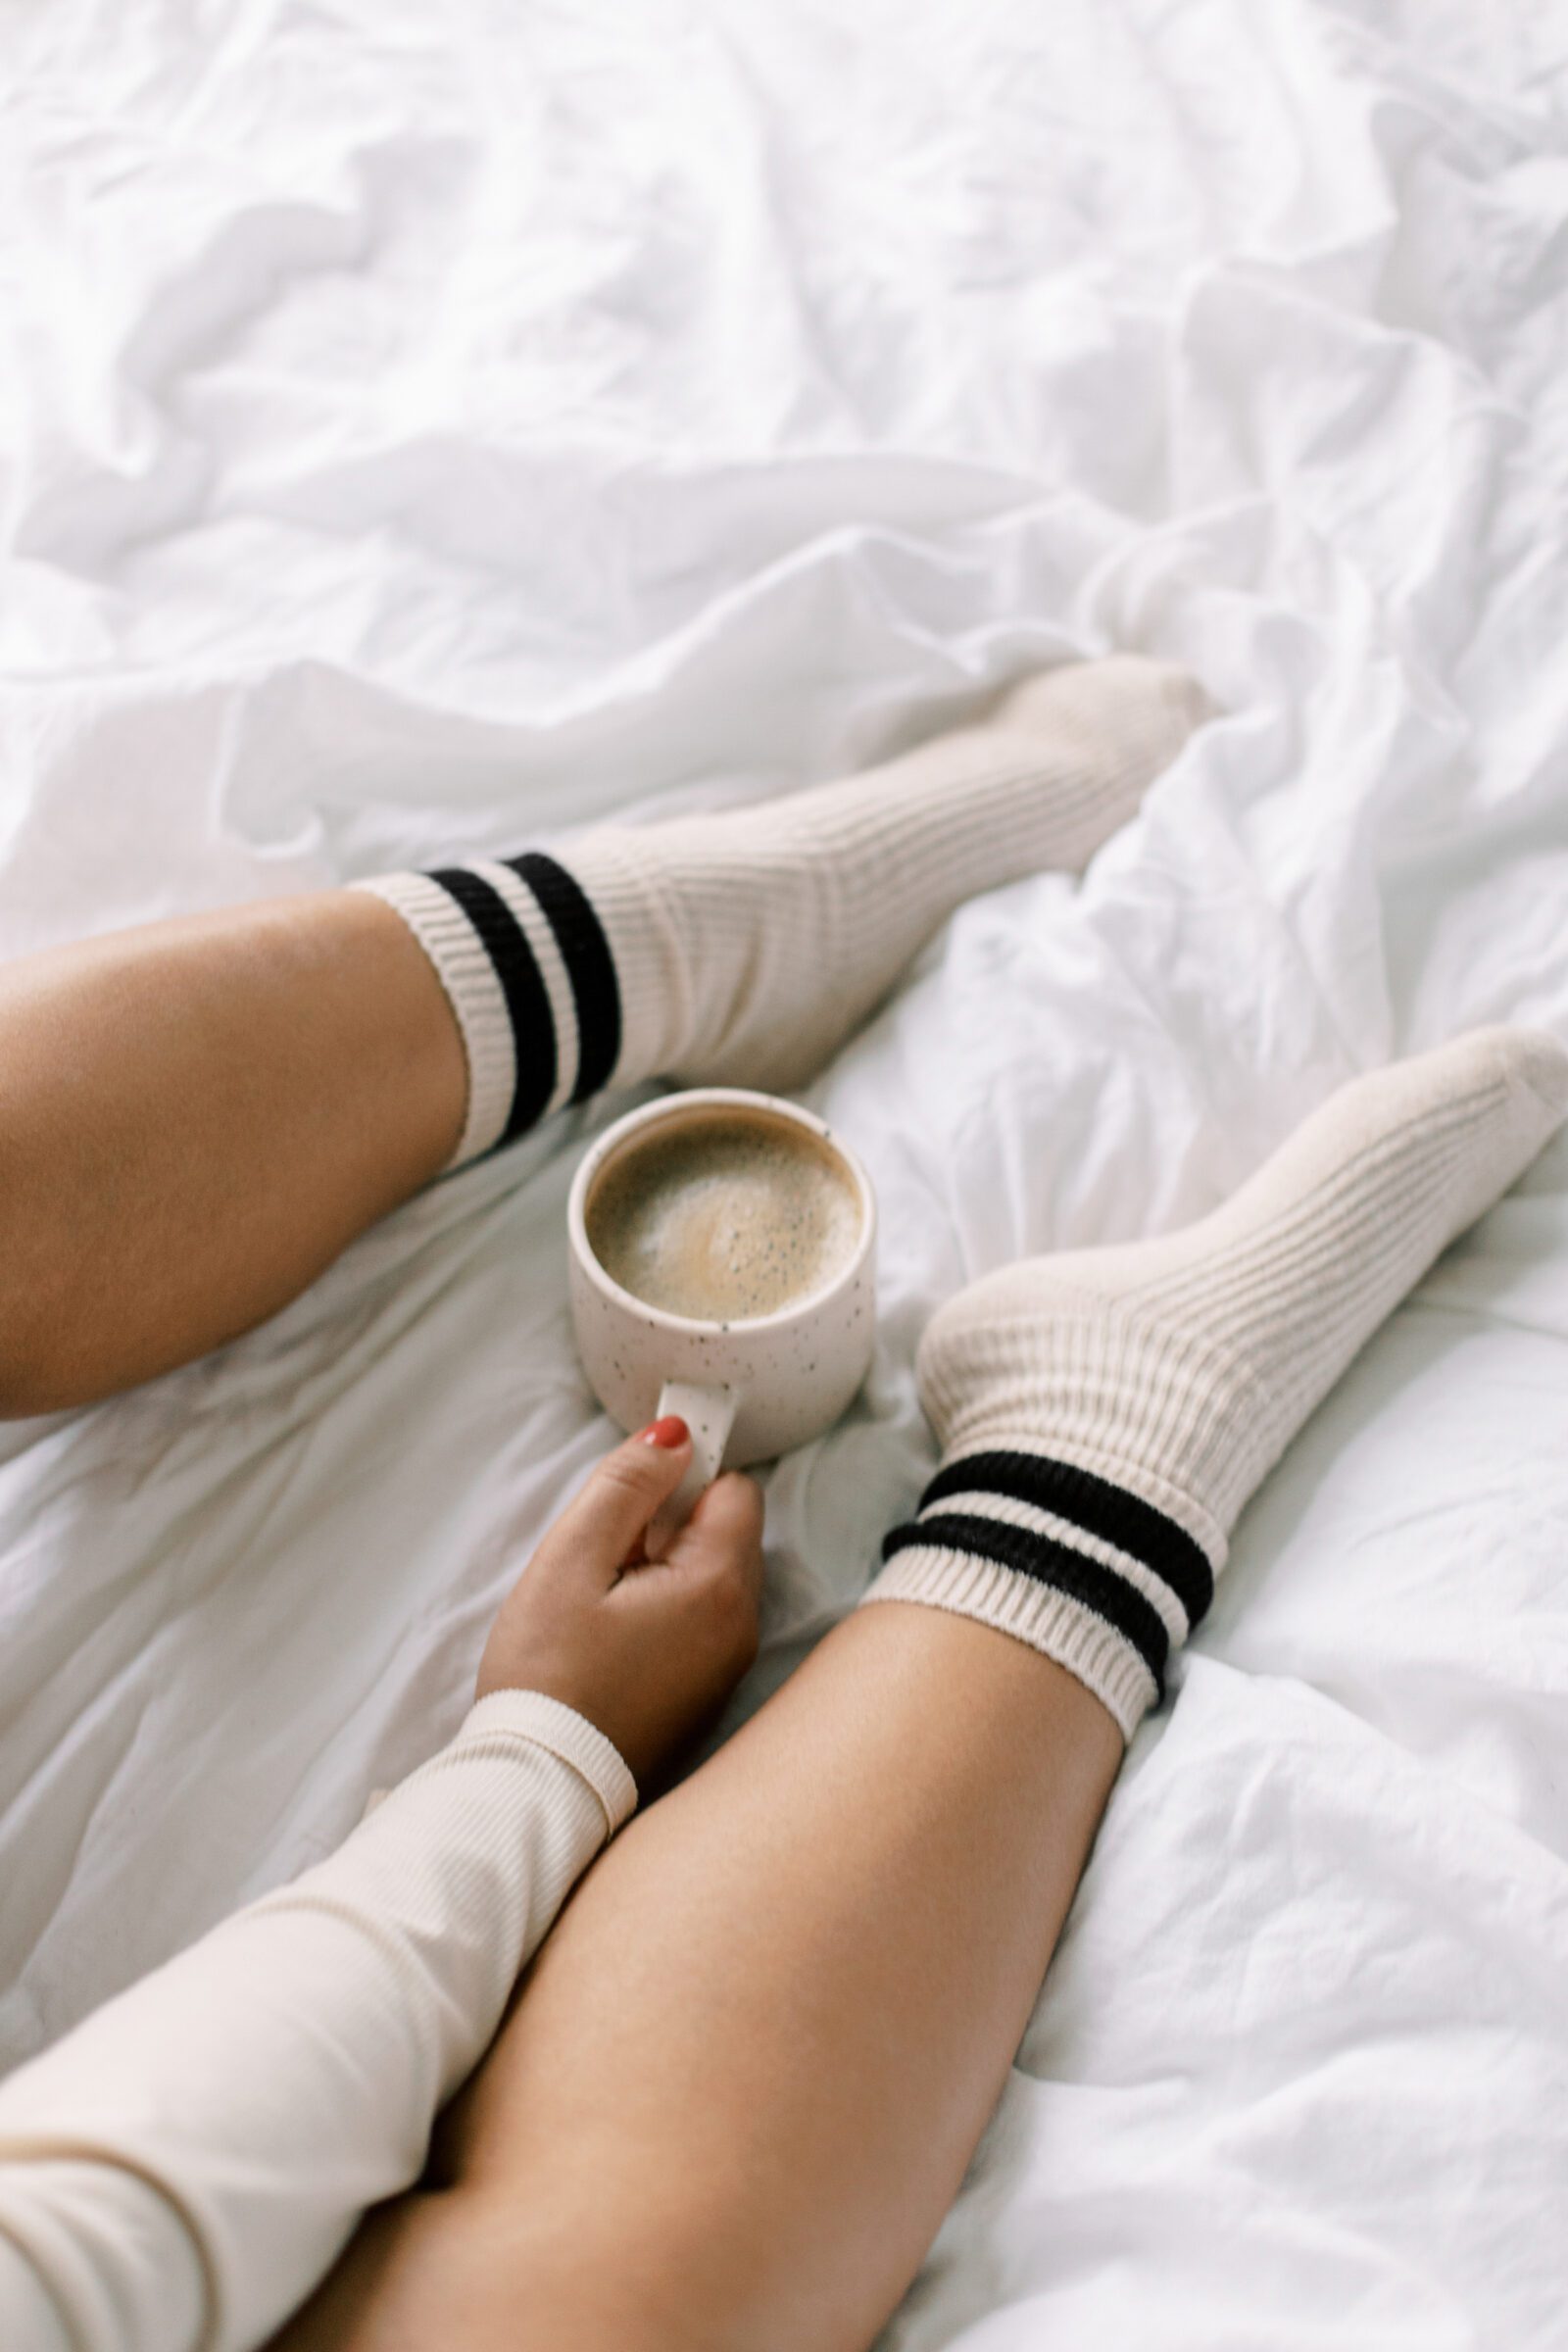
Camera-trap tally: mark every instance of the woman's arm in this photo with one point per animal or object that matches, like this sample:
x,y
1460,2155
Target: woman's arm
x,y
282,2074
180,2170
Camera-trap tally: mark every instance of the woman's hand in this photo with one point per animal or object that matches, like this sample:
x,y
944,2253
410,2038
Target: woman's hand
x,y
648,1651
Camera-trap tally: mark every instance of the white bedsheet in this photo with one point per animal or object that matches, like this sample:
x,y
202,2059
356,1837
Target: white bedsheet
x,y
429,428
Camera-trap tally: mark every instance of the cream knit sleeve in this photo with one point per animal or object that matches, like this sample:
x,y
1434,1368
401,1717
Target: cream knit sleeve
x,y
181,2170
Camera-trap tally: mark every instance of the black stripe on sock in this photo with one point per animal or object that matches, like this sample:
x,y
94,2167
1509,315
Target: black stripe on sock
x,y
533,1026
590,967
1093,1504
1051,1563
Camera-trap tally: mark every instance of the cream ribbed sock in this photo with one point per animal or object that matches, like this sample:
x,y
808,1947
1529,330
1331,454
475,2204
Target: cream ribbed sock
x,y
744,946
1104,1416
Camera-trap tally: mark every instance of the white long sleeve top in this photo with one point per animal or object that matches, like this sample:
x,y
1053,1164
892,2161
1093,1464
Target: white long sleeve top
x,y
178,2172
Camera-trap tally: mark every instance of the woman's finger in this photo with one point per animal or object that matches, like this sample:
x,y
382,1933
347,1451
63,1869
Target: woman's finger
x,y
605,1520
725,1529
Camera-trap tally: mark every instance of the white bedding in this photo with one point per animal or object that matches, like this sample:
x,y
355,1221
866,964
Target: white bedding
x,y
429,428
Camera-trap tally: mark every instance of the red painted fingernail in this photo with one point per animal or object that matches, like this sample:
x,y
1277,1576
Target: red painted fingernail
x,y
669,1433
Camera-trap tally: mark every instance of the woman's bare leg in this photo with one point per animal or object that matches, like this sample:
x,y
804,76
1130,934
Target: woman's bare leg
x,y
738,2093
758,2049
199,1115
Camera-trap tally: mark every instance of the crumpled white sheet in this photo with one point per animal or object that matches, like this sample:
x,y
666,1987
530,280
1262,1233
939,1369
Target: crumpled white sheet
x,y
425,430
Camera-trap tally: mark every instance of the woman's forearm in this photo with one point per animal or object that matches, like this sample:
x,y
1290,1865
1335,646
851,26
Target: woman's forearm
x,y
267,2086
93,2256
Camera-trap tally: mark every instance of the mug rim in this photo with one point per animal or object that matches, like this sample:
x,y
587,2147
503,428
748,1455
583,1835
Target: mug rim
x,y
670,1107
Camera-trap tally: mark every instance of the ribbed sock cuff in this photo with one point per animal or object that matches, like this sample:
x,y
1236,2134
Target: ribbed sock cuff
x,y
1052,1622
1086,1571
468,976
1161,1412
528,969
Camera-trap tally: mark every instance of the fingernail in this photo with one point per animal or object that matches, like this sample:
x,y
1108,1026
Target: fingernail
x,y
669,1433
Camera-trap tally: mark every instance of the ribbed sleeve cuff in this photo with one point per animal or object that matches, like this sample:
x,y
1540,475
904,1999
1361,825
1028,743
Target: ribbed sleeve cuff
x,y
549,1724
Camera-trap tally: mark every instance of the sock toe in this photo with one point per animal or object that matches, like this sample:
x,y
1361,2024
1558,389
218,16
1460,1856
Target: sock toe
x,y
1525,1074
1540,1063
1153,706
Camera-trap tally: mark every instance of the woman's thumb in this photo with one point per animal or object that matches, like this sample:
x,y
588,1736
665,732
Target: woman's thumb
x,y
626,1489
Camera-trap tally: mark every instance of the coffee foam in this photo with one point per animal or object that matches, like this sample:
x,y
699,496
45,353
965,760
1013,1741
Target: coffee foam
x,y
724,1216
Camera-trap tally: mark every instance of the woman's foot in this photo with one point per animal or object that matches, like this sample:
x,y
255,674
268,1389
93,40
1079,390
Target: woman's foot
x,y
745,947
1105,1414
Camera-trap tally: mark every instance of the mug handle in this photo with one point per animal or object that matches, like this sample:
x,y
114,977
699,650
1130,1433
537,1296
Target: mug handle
x,y
709,1415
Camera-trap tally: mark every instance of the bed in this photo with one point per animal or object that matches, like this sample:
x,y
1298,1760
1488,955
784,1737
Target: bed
x,y
429,430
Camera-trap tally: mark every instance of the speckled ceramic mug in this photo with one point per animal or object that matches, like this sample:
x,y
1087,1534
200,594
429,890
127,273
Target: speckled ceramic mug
x,y
751,1388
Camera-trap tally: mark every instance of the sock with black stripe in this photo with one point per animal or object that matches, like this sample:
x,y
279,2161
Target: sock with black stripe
x,y
530,975
744,946
1105,1414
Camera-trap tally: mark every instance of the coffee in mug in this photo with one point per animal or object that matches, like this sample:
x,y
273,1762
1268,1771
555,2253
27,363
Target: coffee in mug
x,y
721,1246
729,1214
